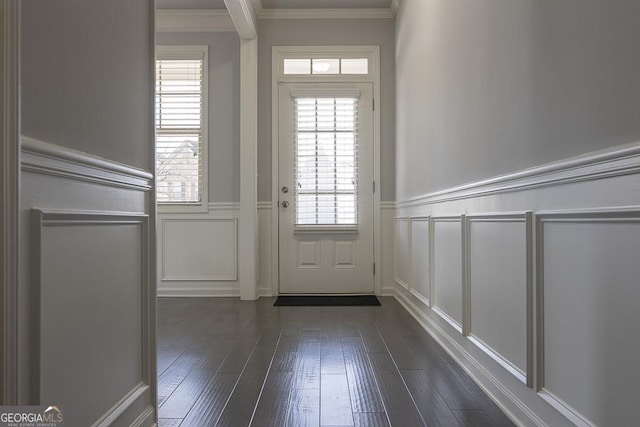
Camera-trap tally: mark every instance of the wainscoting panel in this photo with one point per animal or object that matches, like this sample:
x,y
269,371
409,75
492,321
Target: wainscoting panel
x,y
420,259
89,270
499,284
401,245
199,249
588,298
447,282
543,283
87,287
198,252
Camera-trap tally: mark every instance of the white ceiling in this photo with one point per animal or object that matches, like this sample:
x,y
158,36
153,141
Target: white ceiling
x,y
279,4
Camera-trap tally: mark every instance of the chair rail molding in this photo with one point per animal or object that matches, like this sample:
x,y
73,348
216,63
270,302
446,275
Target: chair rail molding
x,y
46,158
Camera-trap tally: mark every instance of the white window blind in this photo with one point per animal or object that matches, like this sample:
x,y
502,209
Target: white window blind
x,y
326,133
180,119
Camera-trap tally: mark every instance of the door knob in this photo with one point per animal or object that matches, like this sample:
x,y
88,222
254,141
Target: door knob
x,y
285,204
285,189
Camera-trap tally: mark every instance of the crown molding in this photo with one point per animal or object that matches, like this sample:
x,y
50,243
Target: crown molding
x,y
193,20
326,14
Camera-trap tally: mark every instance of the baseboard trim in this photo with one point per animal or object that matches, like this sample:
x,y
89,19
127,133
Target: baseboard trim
x,y
510,404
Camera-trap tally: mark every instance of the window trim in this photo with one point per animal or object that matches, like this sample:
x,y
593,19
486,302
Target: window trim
x,y
191,52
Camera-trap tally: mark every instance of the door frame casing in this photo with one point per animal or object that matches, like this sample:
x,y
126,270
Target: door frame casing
x,y
278,53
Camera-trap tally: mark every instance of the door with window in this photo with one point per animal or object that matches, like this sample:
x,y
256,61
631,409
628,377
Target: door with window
x,y
325,187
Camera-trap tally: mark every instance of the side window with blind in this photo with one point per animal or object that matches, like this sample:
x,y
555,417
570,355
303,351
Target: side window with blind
x,y
181,105
326,143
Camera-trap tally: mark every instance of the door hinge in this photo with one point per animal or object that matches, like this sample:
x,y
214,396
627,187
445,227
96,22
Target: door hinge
x,y
373,104
374,186
374,268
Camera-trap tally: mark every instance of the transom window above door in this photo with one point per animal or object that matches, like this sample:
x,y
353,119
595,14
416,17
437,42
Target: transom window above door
x,y
319,66
325,63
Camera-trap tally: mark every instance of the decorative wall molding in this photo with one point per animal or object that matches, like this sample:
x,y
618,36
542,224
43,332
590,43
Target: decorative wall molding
x,y
121,412
214,246
326,14
595,217
572,192
10,200
387,205
460,219
425,299
190,20
454,345
266,205
141,396
50,159
401,272
613,162
526,218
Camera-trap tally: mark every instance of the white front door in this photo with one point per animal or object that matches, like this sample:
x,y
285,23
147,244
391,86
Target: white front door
x,y
326,188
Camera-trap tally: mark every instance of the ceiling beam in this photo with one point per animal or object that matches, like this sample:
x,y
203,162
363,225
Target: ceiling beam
x,y
244,17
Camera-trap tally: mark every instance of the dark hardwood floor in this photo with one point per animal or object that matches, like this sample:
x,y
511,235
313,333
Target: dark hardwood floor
x,y
226,362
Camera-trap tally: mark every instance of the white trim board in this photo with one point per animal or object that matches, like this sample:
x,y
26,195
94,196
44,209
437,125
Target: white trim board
x,y
50,159
10,181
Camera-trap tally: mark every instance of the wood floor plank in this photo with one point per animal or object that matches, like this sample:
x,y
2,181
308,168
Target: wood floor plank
x,y
243,400
208,408
331,355
178,404
304,408
473,417
371,419
274,400
335,402
365,395
488,406
432,406
397,400
228,362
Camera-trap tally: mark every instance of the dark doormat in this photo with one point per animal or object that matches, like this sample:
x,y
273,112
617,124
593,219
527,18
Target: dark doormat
x,y
326,300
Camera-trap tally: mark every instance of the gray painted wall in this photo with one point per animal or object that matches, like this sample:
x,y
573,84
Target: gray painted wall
x,y
494,86
327,32
85,80
224,109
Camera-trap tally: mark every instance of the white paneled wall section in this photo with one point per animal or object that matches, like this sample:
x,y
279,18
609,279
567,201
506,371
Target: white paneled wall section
x,y
198,253
530,281
87,277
